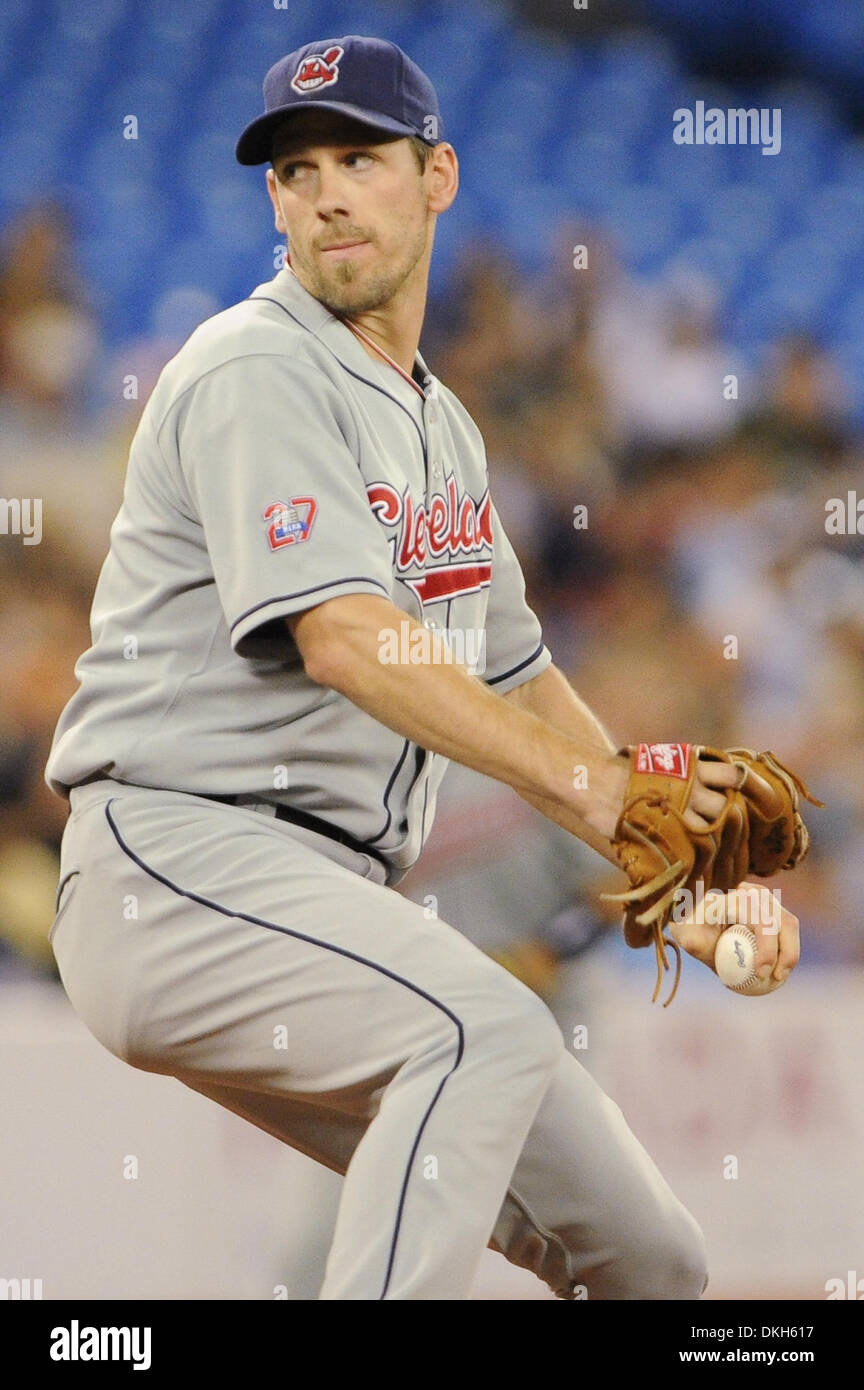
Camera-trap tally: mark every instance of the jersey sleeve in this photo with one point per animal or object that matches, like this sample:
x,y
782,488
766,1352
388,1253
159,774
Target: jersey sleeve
x,y
515,651
265,448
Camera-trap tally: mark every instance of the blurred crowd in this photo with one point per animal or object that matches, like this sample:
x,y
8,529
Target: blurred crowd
x,y
667,502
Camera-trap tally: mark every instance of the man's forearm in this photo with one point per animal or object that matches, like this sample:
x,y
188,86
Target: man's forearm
x,y
551,697
439,705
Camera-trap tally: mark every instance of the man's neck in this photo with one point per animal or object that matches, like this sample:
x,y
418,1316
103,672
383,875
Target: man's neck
x,y
376,342
395,329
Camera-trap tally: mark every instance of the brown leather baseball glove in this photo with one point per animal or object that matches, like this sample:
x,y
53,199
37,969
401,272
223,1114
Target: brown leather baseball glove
x,y
759,831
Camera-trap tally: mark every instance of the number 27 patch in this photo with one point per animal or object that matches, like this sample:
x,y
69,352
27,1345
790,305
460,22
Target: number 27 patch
x,y
290,522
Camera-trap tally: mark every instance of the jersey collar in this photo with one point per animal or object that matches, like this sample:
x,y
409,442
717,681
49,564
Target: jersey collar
x,y
314,316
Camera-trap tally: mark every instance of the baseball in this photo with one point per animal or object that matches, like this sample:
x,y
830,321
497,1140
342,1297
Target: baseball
x,y
735,959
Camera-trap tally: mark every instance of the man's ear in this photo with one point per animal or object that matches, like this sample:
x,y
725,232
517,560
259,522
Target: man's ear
x,y
273,190
442,174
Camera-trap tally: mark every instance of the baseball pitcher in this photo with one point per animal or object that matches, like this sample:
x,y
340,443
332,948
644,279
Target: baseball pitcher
x,y
308,607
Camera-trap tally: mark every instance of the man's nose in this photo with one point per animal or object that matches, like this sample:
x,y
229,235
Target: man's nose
x,y
333,193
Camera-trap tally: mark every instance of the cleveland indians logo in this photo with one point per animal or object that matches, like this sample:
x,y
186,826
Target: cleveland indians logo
x,y
451,526
290,522
670,759
317,70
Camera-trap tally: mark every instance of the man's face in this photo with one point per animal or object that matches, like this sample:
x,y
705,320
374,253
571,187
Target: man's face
x,y
354,208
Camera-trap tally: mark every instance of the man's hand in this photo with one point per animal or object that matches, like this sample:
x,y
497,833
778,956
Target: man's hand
x,y
778,946
704,806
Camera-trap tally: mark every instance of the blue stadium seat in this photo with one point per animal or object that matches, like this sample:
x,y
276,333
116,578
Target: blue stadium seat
x,y
744,212
15,12
529,220
33,160
311,18
850,316
112,267
718,259
833,32
545,129
113,160
172,58
529,104
187,22
451,36
849,161
797,166
130,214
594,159
66,61
638,57
193,261
48,101
611,105
89,23
835,212
691,173
644,222
496,158
210,155
462,225
155,102
19,35
236,222
773,311
228,105
808,261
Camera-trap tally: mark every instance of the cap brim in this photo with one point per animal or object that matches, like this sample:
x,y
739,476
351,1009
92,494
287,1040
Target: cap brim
x,y
254,145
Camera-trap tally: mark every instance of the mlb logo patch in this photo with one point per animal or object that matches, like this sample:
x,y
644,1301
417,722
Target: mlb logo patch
x,y
289,522
668,759
318,70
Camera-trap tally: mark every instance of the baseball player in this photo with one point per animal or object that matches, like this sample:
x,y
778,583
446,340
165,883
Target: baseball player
x,y
269,703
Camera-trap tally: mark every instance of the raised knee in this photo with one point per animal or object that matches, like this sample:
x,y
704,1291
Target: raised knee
x,y
673,1263
659,1258
526,1024
689,1262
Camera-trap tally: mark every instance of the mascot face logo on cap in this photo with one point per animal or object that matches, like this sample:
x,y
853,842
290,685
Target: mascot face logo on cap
x,y
317,70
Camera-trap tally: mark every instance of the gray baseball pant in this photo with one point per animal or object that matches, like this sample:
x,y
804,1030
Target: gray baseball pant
x,y
271,969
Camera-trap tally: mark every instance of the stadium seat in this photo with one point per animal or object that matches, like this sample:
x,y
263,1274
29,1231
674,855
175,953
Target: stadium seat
x,y
545,128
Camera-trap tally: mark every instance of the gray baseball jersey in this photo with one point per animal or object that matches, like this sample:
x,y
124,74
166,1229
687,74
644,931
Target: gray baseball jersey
x,y
277,465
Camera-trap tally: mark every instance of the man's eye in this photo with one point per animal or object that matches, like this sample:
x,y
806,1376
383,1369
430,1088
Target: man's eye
x,y
357,158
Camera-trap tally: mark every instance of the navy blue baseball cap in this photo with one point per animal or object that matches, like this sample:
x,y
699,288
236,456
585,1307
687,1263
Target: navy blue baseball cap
x,y
369,79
